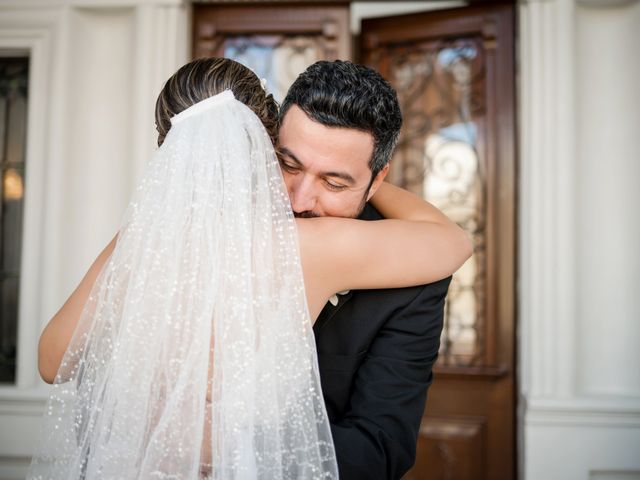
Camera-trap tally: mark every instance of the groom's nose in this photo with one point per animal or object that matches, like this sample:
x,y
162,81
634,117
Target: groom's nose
x,y
303,194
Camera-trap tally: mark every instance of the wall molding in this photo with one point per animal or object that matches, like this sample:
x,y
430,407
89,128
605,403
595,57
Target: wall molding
x,y
547,307
606,3
37,34
102,4
614,474
558,419
585,412
44,34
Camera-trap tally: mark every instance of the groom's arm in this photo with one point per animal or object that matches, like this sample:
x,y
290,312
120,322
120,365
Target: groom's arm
x,y
376,438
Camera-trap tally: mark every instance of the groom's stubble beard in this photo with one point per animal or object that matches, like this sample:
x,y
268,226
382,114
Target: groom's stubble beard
x,y
307,214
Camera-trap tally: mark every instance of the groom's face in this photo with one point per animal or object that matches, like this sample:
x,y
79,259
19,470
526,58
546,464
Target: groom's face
x,y
326,169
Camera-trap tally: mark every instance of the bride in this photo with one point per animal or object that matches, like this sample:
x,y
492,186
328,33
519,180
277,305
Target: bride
x,y
187,350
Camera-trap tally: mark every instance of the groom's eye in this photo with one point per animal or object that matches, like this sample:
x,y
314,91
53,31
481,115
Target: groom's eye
x,y
334,186
288,167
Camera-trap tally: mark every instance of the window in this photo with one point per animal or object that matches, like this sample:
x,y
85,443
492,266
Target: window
x,y
13,124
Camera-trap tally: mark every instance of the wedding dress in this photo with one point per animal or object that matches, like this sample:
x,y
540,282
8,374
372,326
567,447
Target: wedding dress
x,y
194,356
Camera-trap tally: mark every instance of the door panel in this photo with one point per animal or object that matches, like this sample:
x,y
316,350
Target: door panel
x,y
453,71
277,41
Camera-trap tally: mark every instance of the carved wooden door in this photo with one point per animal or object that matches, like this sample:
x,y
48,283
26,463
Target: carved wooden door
x,y
454,73
278,41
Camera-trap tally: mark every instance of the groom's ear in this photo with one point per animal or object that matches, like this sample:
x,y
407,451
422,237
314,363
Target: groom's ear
x,y
378,181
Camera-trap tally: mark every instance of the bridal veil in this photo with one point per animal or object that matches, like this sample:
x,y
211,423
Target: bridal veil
x,y
194,356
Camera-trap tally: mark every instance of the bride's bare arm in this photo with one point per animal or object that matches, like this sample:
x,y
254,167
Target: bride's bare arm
x,y
396,203
416,244
56,336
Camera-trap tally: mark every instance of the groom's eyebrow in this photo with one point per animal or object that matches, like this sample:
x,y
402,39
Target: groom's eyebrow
x,y
289,153
341,175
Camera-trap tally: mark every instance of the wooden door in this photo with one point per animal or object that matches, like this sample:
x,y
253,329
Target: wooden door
x,y
278,41
454,74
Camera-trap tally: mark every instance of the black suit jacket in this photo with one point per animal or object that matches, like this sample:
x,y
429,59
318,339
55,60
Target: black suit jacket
x,y
376,350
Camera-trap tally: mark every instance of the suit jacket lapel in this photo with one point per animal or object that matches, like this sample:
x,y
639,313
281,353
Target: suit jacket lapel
x,y
329,311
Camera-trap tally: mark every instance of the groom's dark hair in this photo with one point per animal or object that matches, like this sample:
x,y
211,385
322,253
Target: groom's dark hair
x,y
345,94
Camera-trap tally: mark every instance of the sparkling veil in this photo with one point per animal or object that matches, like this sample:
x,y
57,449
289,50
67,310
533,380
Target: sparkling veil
x,y
194,356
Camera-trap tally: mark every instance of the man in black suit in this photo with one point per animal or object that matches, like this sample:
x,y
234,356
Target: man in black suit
x,y
376,348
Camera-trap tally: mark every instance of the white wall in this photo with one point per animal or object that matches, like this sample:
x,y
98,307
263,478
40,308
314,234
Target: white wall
x,y
608,122
96,67
579,268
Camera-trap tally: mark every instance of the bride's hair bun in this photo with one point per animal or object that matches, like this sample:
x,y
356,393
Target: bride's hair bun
x,y
205,77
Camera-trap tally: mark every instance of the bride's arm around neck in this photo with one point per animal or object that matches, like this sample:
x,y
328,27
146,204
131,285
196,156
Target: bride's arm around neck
x,y
416,244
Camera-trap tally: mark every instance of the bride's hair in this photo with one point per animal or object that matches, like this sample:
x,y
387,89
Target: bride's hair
x,y
205,77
